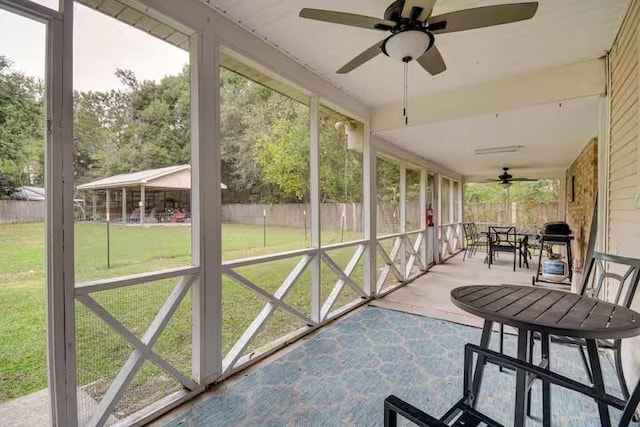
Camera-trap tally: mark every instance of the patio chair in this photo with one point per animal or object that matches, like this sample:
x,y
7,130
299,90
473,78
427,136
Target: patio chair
x,y
614,279
503,239
463,413
473,240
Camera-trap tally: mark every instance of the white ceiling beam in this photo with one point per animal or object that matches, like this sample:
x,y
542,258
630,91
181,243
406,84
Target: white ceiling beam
x,y
570,81
196,15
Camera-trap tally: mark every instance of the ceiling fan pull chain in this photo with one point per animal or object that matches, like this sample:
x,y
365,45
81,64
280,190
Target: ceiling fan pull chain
x,y
405,112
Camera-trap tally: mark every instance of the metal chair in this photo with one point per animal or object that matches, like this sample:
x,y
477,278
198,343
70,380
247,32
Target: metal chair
x,y
463,413
614,279
503,239
473,240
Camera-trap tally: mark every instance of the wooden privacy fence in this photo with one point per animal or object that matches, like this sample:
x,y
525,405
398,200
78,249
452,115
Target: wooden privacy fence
x,y
12,211
523,215
333,216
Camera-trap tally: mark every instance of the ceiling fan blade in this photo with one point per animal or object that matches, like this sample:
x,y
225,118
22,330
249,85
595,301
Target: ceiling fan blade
x,y
432,61
481,17
350,19
523,179
426,6
365,56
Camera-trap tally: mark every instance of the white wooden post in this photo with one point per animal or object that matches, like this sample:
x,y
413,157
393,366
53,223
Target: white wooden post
x,y
603,171
423,217
437,204
206,199
59,219
314,163
461,201
451,204
108,207
124,205
403,198
403,218
142,205
562,198
369,212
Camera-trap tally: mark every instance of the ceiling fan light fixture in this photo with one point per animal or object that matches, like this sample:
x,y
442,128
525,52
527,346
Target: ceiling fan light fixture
x,y
505,184
407,45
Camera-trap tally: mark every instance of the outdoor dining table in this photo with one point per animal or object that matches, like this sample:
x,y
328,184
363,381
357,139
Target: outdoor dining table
x,y
520,236
547,312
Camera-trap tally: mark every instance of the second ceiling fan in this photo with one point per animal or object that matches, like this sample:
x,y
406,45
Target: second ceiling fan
x,y
413,28
505,179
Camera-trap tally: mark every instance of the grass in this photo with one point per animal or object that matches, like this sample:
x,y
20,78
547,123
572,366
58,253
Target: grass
x,y
101,352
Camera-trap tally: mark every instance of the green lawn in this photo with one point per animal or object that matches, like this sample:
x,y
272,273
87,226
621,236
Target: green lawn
x,y
100,352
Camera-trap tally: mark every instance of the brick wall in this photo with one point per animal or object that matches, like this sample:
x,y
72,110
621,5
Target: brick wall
x,y
581,200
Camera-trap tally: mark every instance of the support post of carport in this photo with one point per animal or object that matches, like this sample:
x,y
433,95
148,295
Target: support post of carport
x,y
93,205
108,211
142,205
124,205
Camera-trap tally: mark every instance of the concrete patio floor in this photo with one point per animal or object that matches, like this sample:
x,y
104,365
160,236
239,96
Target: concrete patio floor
x,y
429,295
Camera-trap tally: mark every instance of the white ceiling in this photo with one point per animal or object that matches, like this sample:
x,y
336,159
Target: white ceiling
x,y
562,32
552,136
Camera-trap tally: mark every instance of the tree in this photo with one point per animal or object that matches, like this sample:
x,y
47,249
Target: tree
x,y
21,129
284,157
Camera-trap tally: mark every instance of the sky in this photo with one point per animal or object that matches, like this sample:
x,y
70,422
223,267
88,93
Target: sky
x,y
101,44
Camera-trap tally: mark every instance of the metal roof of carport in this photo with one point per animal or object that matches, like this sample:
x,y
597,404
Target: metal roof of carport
x,y
175,177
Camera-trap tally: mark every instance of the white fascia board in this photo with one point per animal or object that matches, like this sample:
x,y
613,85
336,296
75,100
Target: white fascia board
x,y
198,16
556,84
388,148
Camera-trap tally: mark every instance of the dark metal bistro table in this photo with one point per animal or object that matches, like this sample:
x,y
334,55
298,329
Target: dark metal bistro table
x,y
548,312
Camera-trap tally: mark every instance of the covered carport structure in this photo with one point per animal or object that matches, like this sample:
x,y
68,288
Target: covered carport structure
x,y
142,195
159,193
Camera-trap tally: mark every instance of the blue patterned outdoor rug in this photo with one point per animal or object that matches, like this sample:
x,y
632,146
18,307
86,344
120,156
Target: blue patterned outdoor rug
x,y
342,375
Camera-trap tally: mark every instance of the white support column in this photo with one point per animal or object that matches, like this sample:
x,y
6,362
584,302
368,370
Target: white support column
x,y
603,173
206,200
461,201
403,197
423,217
451,204
108,206
124,205
369,212
314,160
142,204
59,220
403,217
437,256
562,198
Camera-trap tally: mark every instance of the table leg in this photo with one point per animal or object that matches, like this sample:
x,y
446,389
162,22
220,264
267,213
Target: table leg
x,y
598,382
546,387
480,363
521,380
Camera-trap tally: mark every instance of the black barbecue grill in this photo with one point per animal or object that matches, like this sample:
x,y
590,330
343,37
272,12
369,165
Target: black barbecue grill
x,y
555,233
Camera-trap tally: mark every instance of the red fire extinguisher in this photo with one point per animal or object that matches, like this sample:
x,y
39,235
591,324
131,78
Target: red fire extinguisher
x,y
429,216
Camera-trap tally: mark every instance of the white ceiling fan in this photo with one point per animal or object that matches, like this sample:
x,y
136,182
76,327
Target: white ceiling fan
x,y
413,28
